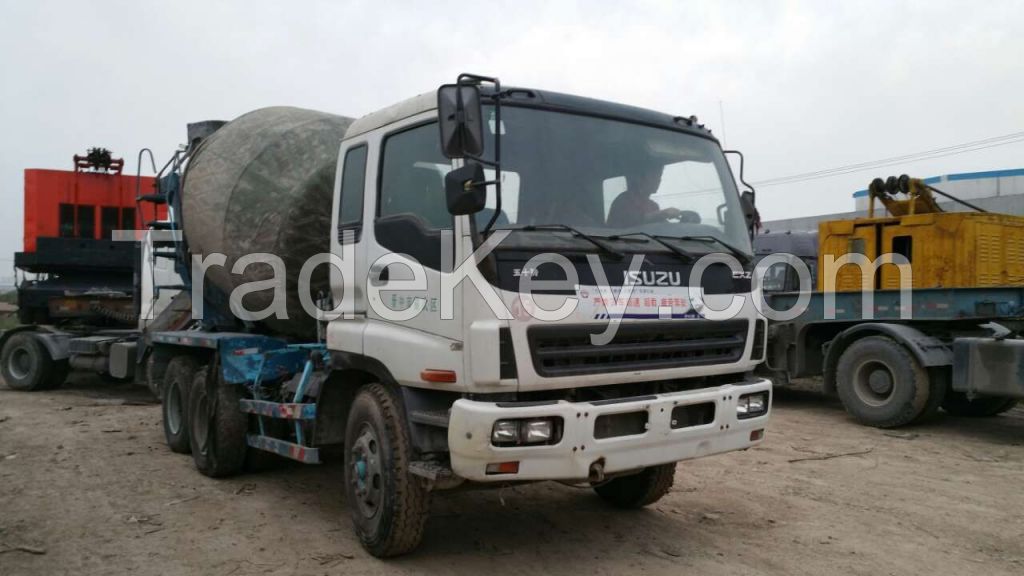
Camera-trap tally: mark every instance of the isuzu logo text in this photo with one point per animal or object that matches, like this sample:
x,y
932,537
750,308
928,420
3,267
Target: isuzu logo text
x,y
652,277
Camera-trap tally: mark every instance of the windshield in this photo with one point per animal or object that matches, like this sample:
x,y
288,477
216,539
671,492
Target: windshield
x,y
607,177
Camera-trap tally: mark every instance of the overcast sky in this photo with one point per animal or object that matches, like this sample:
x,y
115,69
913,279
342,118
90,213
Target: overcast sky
x,y
803,85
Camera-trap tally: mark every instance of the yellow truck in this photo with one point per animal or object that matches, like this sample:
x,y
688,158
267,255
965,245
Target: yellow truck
x,y
904,311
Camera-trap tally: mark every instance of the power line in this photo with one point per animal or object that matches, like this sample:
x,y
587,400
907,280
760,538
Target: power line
x,y
963,148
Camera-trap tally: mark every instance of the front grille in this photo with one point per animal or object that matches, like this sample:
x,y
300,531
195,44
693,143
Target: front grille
x,y
559,350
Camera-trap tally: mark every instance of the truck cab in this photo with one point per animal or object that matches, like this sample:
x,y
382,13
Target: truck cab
x,y
566,221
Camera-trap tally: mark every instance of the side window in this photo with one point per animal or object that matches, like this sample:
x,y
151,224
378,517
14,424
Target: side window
x,y
127,218
411,205
67,220
108,221
904,246
350,206
86,221
412,177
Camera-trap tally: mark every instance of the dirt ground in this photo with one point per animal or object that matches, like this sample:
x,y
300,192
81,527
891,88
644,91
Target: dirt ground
x,y
87,486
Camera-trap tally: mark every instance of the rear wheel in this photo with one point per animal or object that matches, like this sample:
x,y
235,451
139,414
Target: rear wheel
x,y
881,384
638,490
389,506
174,403
218,426
957,404
26,364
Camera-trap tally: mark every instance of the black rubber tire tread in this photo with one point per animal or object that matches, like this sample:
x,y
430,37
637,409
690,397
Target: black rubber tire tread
x,y
44,371
155,386
224,453
57,375
957,404
179,374
938,385
406,501
909,399
638,490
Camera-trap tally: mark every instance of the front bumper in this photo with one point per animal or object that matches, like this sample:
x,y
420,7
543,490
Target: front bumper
x,y
471,422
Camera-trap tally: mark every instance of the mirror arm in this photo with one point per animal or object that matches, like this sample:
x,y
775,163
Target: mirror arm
x,y
742,180
497,159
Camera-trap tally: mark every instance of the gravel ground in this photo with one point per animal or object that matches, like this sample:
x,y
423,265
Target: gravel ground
x,y
88,487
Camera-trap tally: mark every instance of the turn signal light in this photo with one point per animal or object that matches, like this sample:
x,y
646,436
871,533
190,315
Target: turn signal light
x,y
503,468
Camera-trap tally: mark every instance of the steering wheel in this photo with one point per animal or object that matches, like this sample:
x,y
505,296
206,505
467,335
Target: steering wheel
x,y
686,217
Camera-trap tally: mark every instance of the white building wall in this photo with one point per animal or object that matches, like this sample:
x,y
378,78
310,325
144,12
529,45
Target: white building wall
x,y
970,186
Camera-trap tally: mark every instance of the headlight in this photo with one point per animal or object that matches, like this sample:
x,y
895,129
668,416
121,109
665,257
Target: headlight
x,y
752,405
526,431
505,432
538,431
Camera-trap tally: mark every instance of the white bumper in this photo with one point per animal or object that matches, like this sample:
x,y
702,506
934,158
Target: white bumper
x,y
471,422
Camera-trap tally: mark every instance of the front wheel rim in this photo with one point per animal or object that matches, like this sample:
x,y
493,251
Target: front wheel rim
x,y
367,478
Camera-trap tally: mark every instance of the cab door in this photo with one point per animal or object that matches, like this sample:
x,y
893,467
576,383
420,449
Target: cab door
x,y
348,244
411,230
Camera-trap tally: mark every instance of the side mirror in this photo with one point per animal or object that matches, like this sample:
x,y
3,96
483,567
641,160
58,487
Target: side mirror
x,y
460,120
466,189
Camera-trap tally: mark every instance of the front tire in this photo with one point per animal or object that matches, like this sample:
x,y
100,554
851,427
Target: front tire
x,y
881,384
638,490
957,404
389,505
218,426
174,403
26,364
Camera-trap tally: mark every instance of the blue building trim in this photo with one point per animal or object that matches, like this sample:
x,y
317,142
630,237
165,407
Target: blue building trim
x,y
962,176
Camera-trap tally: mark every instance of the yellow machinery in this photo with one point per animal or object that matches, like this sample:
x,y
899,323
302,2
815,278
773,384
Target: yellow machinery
x,y
945,249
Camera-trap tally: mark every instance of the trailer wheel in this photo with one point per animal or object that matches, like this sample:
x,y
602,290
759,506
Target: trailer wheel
x,y
957,404
174,403
638,490
26,364
881,384
389,505
217,426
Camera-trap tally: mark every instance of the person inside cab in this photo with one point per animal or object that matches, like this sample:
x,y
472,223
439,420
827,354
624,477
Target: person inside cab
x,y
634,207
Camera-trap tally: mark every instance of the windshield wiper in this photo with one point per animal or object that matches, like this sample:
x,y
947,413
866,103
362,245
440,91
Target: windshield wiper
x,y
740,255
605,247
683,254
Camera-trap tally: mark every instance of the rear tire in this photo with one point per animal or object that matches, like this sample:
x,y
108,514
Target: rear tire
x,y
389,505
957,404
26,364
881,384
638,490
150,379
174,403
938,385
218,426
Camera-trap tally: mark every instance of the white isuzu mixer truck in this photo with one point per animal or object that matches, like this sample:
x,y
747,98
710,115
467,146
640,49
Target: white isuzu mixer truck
x,y
478,286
